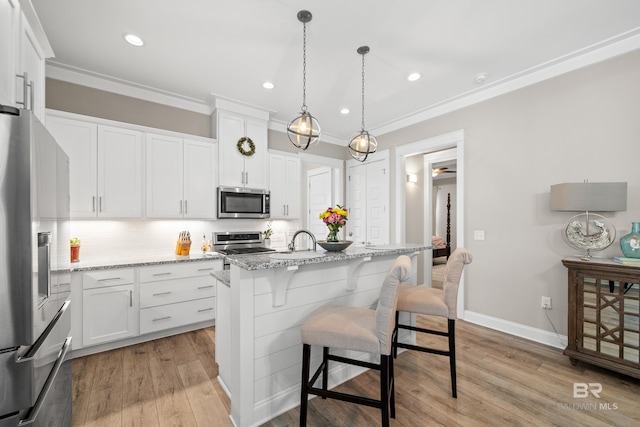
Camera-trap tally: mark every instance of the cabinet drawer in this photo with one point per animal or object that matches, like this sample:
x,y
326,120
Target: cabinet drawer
x,y
176,290
170,316
102,278
175,271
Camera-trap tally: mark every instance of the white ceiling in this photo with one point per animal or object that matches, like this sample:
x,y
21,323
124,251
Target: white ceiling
x,y
196,48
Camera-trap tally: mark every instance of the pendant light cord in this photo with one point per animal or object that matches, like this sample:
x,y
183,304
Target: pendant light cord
x,y
304,67
363,91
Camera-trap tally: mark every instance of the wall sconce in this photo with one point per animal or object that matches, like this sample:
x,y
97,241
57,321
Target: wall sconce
x,y
589,231
412,177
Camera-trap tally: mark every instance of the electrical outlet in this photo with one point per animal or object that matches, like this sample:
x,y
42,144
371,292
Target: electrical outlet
x,y
546,303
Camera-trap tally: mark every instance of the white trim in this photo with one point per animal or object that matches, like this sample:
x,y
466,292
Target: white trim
x,y
590,55
227,104
519,330
82,77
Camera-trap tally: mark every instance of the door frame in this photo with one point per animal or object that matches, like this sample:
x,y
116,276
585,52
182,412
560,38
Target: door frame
x,y
449,140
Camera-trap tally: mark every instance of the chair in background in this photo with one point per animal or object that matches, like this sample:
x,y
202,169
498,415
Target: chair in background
x,y
358,329
435,302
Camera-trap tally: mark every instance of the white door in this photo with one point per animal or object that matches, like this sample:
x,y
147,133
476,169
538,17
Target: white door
x,y
164,177
230,130
200,167
256,167
119,173
31,62
377,203
319,199
79,140
108,314
9,30
357,204
277,186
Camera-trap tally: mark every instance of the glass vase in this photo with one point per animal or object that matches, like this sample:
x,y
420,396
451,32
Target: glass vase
x,y
333,235
630,243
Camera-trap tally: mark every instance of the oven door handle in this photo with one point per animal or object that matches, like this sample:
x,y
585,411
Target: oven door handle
x,y
32,414
30,353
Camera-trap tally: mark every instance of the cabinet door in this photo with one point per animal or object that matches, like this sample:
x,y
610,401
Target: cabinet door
x,y
9,30
377,187
200,168
119,173
108,314
32,63
292,187
277,185
164,177
231,164
357,204
80,141
256,167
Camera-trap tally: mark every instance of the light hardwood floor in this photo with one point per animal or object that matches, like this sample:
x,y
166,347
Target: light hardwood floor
x,y
502,381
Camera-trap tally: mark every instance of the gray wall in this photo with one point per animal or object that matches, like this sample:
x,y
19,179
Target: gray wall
x,y
580,125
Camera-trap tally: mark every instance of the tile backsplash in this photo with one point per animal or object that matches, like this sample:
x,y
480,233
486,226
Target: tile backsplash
x,y
109,238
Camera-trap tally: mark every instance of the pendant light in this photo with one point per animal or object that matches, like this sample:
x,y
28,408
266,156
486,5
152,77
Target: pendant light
x,y
363,143
304,130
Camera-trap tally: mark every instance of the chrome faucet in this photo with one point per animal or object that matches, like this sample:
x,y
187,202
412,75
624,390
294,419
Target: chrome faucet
x,y
292,245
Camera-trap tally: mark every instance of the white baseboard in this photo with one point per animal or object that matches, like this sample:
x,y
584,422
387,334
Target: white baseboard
x,y
512,328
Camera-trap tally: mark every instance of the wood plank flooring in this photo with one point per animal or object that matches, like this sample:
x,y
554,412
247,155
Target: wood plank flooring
x,y
502,381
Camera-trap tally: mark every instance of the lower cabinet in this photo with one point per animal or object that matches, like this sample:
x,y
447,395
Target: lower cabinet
x,y
108,306
176,295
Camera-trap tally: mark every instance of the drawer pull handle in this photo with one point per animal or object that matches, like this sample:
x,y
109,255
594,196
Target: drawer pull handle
x,y
109,278
162,293
205,309
205,269
161,274
205,287
161,318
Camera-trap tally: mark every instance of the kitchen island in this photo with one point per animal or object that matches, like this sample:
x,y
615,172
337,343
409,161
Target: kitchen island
x,y
262,307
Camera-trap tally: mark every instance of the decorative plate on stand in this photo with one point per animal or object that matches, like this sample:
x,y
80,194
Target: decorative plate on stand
x,y
589,232
335,246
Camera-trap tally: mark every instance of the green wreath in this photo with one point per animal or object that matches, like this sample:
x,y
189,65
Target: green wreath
x,y
252,147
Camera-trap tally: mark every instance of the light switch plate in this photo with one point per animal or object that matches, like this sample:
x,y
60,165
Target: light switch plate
x,y
478,235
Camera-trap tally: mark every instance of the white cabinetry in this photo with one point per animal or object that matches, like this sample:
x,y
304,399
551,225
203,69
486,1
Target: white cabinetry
x,y
108,306
176,295
105,168
237,170
181,181
23,50
284,183
368,202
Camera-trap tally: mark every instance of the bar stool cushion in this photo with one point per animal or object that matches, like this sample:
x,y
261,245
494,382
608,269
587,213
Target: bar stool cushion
x,y
420,299
350,328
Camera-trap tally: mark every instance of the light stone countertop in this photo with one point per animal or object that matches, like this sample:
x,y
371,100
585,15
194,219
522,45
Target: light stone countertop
x,y
141,260
223,276
265,261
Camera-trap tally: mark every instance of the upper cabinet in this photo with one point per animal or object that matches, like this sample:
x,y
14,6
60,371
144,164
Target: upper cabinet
x,y
23,49
105,168
181,180
284,182
237,169
368,201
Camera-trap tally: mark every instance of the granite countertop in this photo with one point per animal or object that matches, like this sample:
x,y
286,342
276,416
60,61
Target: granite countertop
x,y
266,261
141,260
223,276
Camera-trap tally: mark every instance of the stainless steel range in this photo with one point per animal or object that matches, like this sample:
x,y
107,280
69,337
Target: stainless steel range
x,y
239,243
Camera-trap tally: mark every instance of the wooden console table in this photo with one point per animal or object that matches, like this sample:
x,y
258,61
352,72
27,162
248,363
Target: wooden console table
x,y
604,314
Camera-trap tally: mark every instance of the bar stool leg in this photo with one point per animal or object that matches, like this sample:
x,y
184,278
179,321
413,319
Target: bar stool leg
x,y
452,356
325,371
384,389
393,387
304,395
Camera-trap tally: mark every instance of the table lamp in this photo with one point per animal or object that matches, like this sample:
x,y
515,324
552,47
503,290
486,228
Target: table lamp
x,y
588,231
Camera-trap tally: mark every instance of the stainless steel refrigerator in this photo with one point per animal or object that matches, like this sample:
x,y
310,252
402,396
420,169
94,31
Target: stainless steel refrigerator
x,y
35,278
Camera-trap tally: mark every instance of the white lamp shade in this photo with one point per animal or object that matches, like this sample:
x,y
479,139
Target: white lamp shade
x,y
589,197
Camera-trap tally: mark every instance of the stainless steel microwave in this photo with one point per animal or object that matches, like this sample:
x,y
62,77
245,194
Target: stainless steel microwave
x,y
238,202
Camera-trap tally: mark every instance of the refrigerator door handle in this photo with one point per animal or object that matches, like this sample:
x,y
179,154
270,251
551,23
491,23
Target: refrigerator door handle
x,y
30,353
32,414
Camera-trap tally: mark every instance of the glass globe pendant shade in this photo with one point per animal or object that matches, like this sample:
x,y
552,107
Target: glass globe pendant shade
x,y
304,131
362,144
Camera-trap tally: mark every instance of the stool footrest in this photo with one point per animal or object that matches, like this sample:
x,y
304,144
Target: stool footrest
x,y
346,397
423,349
428,331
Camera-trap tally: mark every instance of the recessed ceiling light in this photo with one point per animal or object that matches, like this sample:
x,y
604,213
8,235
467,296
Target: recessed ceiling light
x,y
133,40
480,78
268,85
413,77
344,111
